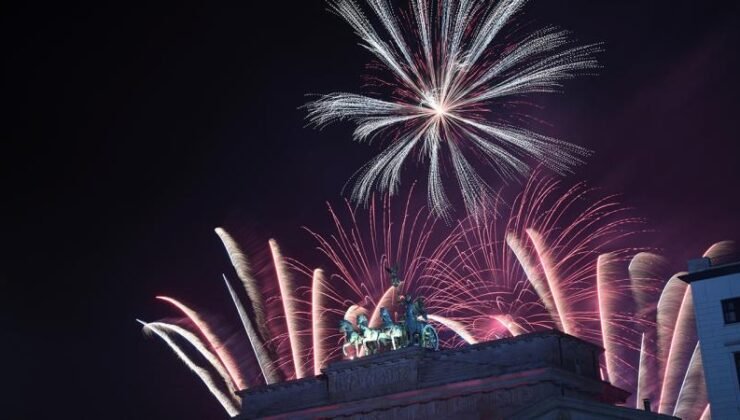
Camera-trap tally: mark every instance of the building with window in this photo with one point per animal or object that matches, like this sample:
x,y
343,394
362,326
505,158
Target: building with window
x,y
715,291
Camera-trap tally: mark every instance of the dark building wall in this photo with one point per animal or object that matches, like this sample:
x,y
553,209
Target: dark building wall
x,y
488,380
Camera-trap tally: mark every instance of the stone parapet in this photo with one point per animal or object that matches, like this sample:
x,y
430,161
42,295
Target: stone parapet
x,y
493,379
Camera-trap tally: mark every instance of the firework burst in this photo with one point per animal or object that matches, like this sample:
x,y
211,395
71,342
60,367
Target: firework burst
x,y
553,258
445,79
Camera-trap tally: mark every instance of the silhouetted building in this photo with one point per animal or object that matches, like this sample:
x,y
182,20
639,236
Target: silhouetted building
x,y
716,294
545,375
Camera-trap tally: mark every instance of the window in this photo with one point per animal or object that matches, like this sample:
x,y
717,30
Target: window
x,y
731,309
737,365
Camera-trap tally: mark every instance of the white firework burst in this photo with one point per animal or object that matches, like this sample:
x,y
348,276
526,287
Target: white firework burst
x,y
446,76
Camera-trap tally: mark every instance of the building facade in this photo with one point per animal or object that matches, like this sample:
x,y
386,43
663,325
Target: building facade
x,y
546,375
716,295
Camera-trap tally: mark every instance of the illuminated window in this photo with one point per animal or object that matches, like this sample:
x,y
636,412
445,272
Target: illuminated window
x,y
731,309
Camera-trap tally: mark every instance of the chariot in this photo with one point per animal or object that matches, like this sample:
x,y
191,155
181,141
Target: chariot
x,y
414,330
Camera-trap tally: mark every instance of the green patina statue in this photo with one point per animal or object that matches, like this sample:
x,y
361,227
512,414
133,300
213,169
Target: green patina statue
x,y
414,330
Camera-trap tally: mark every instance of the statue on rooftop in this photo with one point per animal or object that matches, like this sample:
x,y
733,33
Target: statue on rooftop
x,y
370,336
418,330
414,330
393,332
351,337
393,272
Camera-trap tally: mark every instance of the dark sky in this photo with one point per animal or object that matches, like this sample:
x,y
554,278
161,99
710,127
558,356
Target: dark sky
x,y
130,133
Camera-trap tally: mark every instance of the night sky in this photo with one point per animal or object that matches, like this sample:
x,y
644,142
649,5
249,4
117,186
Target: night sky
x,y
130,133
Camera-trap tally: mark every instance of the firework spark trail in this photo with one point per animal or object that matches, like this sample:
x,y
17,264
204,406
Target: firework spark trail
x,y
643,380
644,270
161,330
720,252
215,343
362,256
243,271
594,227
607,307
267,366
446,75
512,327
455,326
679,355
692,399
648,373
706,414
287,296
487,277
533,275
194,341
318,315
667,313
487,288
558,299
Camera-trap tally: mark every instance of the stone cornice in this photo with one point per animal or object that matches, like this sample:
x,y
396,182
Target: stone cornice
x,y
544,357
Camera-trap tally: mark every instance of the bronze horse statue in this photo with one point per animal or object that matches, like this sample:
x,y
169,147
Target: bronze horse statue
x,y
418,331
351,337
414,330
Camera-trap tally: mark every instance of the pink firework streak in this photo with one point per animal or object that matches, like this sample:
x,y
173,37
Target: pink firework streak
x,y
554,258
534,265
